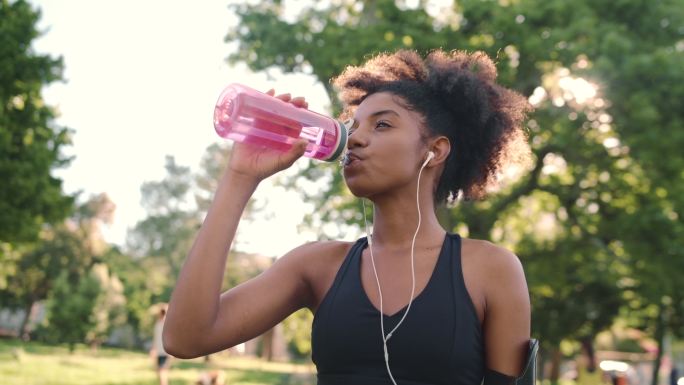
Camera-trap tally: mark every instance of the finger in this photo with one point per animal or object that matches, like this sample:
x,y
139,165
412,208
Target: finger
x,y
284,97
299,101
270,92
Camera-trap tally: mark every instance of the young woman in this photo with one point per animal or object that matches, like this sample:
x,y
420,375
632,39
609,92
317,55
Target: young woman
x,y
412,303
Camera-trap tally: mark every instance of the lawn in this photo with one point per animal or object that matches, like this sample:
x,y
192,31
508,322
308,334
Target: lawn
x,y
38,364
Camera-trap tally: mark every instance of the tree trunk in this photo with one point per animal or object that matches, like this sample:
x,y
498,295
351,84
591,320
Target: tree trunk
x,y
590,354
660,338
556,357
267,345
23,329
542,364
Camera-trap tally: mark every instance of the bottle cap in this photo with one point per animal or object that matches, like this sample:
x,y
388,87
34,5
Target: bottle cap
x,y
341,143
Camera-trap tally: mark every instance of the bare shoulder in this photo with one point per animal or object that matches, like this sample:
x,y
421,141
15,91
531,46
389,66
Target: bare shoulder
x,y
493,259
493,272
318,263
319,252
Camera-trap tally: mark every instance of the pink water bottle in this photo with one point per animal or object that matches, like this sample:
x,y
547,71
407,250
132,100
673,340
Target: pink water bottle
x,y
245,115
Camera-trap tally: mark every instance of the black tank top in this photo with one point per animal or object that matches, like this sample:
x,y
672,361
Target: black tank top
x,y
439,343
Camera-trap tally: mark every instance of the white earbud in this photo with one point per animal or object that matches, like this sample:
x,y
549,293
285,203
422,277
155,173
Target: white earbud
x,y
430,155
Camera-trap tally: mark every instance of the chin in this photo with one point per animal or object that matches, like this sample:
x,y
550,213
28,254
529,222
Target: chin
x,y
358,190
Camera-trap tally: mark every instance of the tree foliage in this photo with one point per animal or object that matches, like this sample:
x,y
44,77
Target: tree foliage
x,y
109,310
68,249
30,142
144,284
70,310
168,230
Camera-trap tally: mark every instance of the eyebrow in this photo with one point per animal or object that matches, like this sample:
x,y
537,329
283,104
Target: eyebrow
x,y
383,112
376,114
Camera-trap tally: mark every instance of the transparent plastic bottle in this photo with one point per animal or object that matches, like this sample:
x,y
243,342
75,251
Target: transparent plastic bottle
x,y
246,115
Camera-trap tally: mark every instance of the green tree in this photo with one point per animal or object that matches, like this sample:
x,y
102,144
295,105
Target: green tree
x,y
642,63
109,310
651,241
207,179
169,229
144,284
30,142
212,164
297,332
70,248
70,309
59,252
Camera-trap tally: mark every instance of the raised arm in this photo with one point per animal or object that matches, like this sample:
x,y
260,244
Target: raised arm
x,y
200,320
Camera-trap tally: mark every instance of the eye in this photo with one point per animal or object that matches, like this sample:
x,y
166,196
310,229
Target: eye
x,y
382,123
378,124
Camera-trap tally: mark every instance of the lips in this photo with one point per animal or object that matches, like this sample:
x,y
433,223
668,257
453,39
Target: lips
x,y
350,158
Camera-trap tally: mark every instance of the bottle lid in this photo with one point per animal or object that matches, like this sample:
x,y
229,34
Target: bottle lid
x,y
341,143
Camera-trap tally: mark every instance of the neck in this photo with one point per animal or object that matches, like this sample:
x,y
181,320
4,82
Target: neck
x,y
395,219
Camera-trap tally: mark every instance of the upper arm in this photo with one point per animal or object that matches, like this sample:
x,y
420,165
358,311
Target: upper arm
x,y
507,313
253,307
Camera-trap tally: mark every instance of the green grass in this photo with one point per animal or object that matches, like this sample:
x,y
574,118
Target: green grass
x,y
38,364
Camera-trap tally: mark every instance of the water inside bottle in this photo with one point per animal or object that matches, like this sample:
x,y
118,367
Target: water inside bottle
x,y
249,120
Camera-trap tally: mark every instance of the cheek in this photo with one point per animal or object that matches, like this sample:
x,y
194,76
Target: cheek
x,y
397,159
397,166
400,159
382,174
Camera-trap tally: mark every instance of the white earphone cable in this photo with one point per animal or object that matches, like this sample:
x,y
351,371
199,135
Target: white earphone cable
x,y
386,338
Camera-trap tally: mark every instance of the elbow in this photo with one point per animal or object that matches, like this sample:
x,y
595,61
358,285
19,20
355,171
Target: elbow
x,y
178,348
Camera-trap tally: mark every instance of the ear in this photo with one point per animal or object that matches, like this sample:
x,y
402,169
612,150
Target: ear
x,y
441,147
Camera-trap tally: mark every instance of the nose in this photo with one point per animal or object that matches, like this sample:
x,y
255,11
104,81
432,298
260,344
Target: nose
x,y
358,137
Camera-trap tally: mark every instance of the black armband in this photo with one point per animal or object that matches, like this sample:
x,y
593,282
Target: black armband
x,y
528,376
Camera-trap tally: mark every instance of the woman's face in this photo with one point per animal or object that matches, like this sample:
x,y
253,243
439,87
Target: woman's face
x,y
385,147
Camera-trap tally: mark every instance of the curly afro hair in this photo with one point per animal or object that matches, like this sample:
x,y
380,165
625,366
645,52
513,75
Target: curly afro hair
x,y
457,96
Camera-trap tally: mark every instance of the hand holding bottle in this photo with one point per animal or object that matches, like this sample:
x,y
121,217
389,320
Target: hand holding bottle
x,y
261,162
245,115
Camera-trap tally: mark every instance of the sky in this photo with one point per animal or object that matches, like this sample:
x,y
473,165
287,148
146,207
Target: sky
x,y
142,78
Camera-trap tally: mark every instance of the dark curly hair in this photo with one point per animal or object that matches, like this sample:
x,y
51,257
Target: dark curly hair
x,y
457,96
